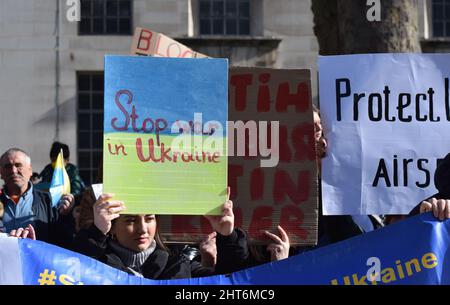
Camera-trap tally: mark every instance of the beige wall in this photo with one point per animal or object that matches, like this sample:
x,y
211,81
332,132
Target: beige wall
x,y
292,20
27,60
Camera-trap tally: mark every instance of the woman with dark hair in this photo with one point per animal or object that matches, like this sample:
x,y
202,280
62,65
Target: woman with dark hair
x,y
132,243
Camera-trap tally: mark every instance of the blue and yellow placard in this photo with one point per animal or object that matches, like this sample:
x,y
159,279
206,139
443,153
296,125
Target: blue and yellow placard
x,y
165,136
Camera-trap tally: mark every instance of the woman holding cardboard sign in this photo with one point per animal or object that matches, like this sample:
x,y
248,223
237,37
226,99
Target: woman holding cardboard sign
x,y
132,244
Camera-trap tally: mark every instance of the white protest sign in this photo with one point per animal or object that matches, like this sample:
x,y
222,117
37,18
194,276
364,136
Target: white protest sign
x,y
386,118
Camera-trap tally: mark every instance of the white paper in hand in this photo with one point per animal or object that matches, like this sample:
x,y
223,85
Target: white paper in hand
x,y
98,189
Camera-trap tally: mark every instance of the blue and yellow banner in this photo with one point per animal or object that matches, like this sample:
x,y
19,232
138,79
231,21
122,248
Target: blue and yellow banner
x,y
414,251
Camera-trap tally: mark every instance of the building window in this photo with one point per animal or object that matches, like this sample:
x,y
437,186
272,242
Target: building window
x,y
441,18
224,17
90,124
105,17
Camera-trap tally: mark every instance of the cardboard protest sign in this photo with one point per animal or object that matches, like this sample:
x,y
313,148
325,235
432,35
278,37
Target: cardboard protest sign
x,y
267,189
263,197
386,118
164,140
283,192
150,43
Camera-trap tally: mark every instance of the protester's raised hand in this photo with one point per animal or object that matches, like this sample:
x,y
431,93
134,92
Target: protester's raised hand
x,y
65,204
279,249
439,207
208,250
28,232
105,211
224,224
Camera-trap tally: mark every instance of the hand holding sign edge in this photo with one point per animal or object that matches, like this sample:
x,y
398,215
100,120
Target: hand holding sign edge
x,y
223,224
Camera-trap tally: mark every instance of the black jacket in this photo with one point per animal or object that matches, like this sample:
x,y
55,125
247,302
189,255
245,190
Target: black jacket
x,y
232,251
341,227
335,228
48,224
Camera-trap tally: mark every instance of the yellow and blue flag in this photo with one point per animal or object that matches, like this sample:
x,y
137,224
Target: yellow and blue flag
x,y
60,184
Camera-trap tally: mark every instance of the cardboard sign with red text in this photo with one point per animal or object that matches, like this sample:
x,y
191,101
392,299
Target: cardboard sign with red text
x,y
265,197
149,43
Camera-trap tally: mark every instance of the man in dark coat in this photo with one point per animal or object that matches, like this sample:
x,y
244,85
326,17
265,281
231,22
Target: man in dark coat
x,y
25,205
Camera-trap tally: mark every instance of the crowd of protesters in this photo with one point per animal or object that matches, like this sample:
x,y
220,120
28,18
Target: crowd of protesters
x,y
101,229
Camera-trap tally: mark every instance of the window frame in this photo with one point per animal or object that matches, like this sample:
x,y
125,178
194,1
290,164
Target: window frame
x,y
224,18
91,112
104,17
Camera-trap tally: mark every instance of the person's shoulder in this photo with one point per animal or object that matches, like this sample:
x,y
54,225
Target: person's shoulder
x,y
71,167
42,202
172,265
47,168
172,258
40,192
41,196
46,174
